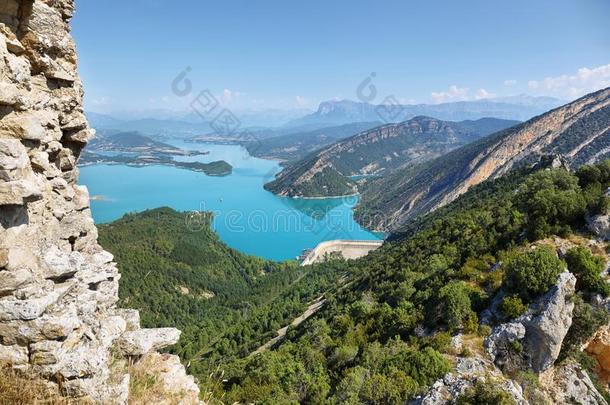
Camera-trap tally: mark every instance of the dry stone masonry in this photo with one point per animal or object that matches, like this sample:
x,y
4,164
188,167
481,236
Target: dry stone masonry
x,y
58,287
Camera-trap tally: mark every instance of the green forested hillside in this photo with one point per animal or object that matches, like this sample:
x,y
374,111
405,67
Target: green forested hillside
x,y
384,338
383,335
179,274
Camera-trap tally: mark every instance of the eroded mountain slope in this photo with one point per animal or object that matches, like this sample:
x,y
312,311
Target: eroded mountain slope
x,y
327,172
580,131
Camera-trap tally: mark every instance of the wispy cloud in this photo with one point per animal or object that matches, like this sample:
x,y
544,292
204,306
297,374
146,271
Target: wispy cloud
x,y
483,94
585,80
229,96
456,93
510,83
100,102
301,101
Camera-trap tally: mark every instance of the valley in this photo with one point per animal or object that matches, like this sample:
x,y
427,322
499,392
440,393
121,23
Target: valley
x,y
451,287
440,290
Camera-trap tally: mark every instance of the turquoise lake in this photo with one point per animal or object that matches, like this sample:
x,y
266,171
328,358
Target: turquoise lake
x,y
247,217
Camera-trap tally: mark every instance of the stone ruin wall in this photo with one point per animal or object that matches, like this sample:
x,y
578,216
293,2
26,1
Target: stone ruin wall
x,y
58,287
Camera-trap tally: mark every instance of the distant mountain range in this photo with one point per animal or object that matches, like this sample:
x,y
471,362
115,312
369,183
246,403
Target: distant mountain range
x,y
268,123
330,170
107,124
578,131
522,107
301,142
188,124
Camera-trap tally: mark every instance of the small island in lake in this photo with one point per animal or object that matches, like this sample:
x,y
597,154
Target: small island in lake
x,y
134,149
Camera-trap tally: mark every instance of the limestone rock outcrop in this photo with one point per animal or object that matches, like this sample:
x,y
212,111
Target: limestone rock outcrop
x,y
170,377
600,226
599,348
468,371
534,339
569,384
140,342
58,287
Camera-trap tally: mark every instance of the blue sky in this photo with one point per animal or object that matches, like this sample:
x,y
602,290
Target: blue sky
x,y
288,54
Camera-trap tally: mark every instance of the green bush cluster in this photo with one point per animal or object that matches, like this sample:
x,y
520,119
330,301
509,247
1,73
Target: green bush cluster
x,y
531,273
588,269
594,181
512,306
552,201
485,393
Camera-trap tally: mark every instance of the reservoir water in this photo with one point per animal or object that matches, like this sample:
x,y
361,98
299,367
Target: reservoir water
x,y
247,217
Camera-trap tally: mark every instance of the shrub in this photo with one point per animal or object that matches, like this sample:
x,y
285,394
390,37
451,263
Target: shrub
x,y
456,307
552,201
532,273
424,366
588,175
382,389
343,355
484,393
484,330
586,320
441,342
512,306
587,268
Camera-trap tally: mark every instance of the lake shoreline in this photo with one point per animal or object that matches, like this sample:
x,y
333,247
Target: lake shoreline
x,y
175,164
248,218
321,198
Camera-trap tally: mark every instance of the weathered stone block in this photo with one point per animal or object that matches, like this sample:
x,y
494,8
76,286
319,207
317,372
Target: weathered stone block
x,y
14,355
19,192
142,341
12,280
13,159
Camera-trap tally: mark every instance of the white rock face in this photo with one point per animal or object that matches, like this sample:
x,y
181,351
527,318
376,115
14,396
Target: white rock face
x,y
540,332
16,355
501,342
600,226
58,287
168,370
546,330
468,371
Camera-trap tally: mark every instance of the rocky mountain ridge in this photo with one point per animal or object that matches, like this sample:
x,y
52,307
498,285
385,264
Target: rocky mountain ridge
x,y
520,108
377,151
58,287
296,145
579,131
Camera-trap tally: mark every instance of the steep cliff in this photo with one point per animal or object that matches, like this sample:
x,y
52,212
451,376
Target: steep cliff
x,y
58,287
377,151
580,131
